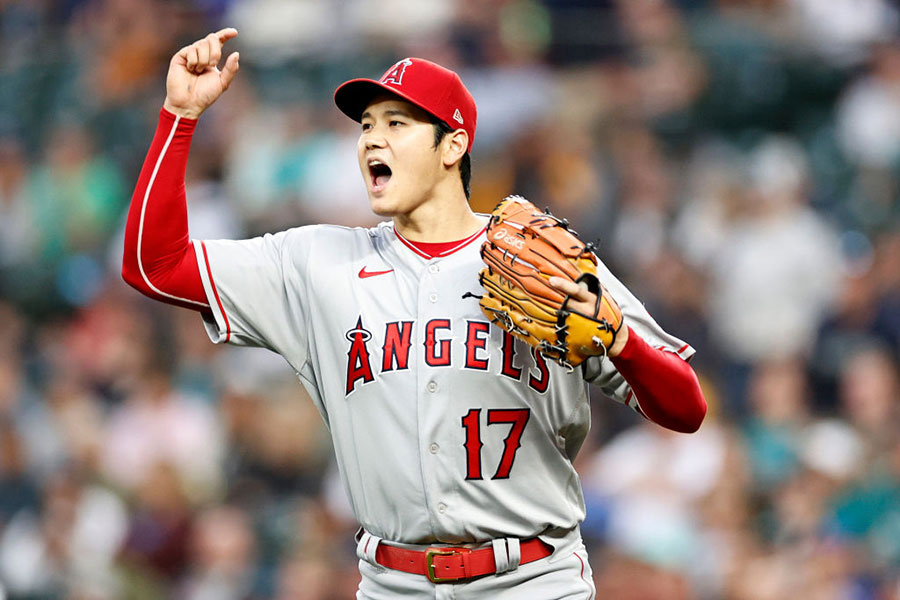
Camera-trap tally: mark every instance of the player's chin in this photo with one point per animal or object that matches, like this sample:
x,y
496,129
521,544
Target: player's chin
x,y
382,205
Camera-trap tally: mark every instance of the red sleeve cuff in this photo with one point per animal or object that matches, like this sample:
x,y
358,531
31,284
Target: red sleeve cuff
x,y
185,125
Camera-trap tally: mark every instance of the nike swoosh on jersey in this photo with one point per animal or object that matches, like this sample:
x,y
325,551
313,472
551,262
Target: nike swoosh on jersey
x,y
363,273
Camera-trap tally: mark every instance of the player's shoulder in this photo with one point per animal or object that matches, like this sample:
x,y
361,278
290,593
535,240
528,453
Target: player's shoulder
x,y
325,230
335,237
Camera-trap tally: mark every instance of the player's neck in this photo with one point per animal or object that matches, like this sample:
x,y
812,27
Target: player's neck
x,y
446,220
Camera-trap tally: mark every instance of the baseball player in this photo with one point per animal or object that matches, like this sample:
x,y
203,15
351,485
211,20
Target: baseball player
x,y
454,440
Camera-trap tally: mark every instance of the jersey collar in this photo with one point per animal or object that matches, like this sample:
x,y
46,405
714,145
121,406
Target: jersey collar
x,y
429,250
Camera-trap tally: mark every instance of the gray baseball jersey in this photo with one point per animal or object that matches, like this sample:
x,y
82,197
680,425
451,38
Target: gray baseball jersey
x,y
445,428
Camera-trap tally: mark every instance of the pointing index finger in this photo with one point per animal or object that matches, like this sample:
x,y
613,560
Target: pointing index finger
x,y
226,34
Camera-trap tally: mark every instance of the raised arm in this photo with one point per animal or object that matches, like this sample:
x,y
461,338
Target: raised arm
x,y
159,259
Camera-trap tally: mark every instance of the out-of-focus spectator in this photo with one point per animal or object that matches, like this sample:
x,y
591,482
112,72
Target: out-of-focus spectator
x,y
715,195
16,224
869,388
18,236
668,75
622,576
775,273
779,412
252,154
157,425
560,163
18,490
841,31
210,213
851,324
645,196
868,128
420,21
14,385
887,273
645,485
64,429
222,556
279,29
75,195
677,294
124,42
70,546
156,548
514,99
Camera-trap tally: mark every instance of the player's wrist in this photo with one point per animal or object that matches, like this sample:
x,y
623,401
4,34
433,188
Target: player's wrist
x,y
621,341
184,113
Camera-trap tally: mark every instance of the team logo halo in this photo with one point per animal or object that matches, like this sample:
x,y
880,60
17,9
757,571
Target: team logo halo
x,y
358,331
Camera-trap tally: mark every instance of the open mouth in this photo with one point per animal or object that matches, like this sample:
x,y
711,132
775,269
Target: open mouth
x,y
380,174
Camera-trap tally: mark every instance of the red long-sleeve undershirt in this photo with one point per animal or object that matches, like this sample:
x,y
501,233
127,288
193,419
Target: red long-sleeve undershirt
x,y
160,262
159,259
666,387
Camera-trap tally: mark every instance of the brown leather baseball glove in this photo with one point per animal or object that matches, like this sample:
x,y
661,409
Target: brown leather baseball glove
x,y
524,248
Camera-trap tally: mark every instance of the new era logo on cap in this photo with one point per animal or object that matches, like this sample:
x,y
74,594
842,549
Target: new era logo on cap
x,y
431,87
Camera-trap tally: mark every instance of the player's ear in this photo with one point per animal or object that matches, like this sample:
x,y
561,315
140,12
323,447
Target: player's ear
x,y
454,146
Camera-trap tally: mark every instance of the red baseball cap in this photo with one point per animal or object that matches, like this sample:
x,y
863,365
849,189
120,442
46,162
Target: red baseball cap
x,y
431,87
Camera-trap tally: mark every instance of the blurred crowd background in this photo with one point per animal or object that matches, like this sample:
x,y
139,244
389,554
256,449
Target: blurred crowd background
x,y
738,161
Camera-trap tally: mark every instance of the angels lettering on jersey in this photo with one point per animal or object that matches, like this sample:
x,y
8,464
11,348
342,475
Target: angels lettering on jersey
x,y
367,359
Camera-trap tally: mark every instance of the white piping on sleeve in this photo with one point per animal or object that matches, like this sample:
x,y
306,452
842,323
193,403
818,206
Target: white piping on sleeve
x,y
159,160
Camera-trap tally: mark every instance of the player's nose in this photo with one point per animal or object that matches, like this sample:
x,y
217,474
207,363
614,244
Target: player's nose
x,y
373,141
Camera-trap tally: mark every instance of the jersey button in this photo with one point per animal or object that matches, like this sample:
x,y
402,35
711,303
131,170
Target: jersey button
x,y
433,297
433,269
442,508
434,448
432,386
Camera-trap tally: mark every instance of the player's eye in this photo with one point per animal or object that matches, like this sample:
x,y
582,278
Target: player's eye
x,y
366,126
395,123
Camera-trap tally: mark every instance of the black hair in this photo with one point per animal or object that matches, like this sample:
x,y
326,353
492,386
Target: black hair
x,y
441,128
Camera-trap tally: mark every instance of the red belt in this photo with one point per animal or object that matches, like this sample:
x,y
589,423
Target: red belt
x,y
443,565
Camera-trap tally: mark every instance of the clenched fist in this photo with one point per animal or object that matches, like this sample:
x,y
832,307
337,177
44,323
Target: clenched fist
x,y
194,81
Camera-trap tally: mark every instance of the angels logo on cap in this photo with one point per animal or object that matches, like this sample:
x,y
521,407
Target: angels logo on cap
x,y
433,88
395,74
